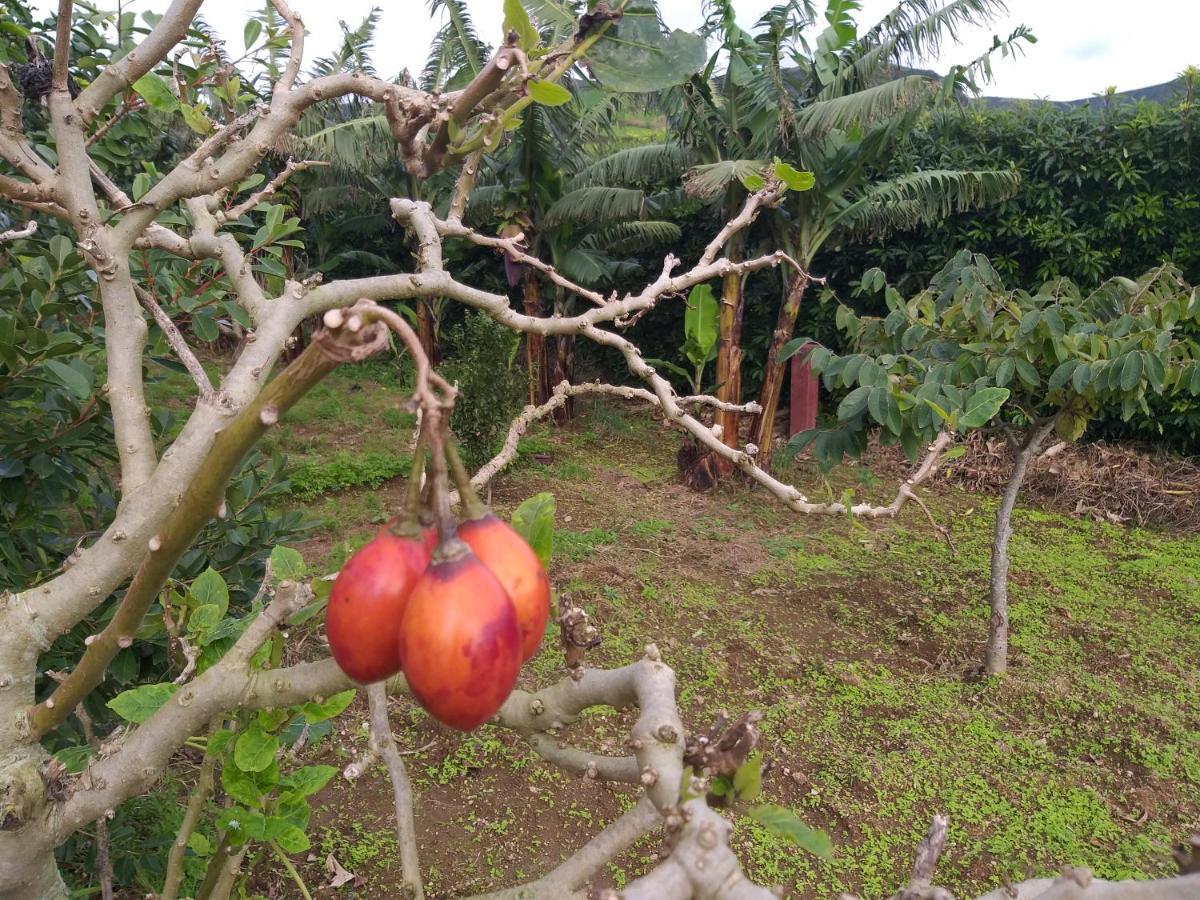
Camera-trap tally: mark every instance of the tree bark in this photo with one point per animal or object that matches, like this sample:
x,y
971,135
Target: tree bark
x,y
729,353
426,328
773,377
537,364
996,660
564,362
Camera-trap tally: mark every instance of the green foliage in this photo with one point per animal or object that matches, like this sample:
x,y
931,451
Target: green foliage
x,y
482,361
1105,190
958,352
534,521
55,434
346,470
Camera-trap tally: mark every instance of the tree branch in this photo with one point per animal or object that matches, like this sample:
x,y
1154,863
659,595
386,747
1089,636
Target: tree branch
x,y
62,46
121,75
197,506
292,167
176,342
406,834
16,234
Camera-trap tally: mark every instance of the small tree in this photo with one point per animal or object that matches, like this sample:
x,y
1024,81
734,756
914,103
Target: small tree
x,y
968,353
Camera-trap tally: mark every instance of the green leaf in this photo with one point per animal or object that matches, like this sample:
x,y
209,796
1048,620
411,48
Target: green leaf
x,y
752,181
877,404
195,118
140,703
854,403
1062,374
255,749
982,406
220,740
1131,371
70,377
61,247
74,759
287,564
1081,377
795,179
1028,374
782,821
308,780
241,786
318,712
747,780
548,93
199,844
701,322
792,347
516,19
156,92
534,521
1005,371
210,587
954,453
292,840
204,620
251,32
635,56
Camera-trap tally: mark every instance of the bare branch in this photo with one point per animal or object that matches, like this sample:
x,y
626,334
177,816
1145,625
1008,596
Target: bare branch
x,y
292,167
191,817
563,392
62,46
383,744
296,53
176,342
16,234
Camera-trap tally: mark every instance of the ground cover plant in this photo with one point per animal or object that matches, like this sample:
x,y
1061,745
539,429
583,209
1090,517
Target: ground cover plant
x,y
233,684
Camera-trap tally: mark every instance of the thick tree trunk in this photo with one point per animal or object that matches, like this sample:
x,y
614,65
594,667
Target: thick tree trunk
x,y
996,660
27,867
773,377
536,362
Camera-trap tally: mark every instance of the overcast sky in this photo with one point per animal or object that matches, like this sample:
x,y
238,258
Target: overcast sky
x,y
1083,45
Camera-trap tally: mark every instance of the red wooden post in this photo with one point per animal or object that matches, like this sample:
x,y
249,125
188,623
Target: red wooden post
x,y
803,408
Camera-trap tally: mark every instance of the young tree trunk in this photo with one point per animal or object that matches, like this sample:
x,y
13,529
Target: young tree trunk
x,y
537,364
773,377
996,660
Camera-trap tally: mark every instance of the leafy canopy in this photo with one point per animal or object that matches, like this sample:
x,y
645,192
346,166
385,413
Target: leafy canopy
x,y
968,348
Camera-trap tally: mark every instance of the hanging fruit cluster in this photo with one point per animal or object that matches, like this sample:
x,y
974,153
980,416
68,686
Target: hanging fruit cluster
x,y
457,606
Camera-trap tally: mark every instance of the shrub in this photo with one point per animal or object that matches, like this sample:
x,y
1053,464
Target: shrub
x,y
482,361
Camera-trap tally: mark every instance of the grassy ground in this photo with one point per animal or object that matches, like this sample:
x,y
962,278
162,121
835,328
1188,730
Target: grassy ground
x,y
859,643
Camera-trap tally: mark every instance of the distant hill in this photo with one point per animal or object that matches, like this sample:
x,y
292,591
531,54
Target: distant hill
x,y
1158,93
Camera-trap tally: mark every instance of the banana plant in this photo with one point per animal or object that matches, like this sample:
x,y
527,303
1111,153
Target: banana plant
x,y
701,323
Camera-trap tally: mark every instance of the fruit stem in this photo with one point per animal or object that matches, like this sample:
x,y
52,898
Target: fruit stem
x,y
441,492
412,500
462,480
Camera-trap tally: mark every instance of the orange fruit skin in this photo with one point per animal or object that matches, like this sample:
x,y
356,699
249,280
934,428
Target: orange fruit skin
x,y
460,644
367,603
517,567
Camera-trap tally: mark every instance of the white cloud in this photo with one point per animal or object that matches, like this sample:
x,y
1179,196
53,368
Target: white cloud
x,y
1123,48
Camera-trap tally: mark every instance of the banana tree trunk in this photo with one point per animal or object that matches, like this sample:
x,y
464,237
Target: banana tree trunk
x,y
773,377
729,354
426,328
536,360
563,367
